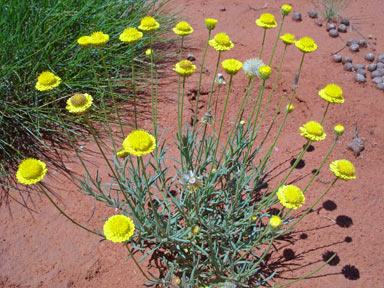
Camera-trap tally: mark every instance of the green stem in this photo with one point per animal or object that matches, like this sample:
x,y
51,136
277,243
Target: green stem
x,y
154,105
213,81
137,264
325,113
277,40
262,43
180,124
133,82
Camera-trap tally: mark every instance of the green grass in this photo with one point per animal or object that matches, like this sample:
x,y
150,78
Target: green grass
x,y
42,35
331,9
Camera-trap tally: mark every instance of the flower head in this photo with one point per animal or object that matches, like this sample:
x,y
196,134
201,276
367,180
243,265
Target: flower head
x,y
312,131
98,39
31,171
338,130
332,93
149,24
121,152
79,103
220,80
289,108
266,21
139,143
131,35
231,66
343,169
118,228
242,122
148,52
265,72
192,181
306,45
221,42
210,23
275,222
195,229
84,41
291,196
47,81
184,68
288,38
208,119
251,67
183,29
285,9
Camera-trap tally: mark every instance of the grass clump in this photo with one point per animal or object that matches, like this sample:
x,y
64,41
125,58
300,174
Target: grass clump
x,y
331,9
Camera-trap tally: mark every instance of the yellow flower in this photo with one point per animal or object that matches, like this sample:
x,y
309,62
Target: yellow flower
x,y
131,35
221,42
118,228
149,24
343,169
332,93
98,39
84,41
313,131
31,171
289,108
231,66
210,23
242,122
339,130
139,143
291,196
79,103
214,170
254,217
285,9
275,222
288,38
265,72
306,45
184,68
148,52
122,153
195,229
182,29
47,81
266,21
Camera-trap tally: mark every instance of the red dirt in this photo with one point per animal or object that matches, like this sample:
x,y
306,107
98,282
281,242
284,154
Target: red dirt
x,y
40,248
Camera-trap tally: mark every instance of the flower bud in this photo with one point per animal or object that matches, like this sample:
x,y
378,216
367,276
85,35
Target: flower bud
x,y
285,9
265,72
275,222
289,108
339,130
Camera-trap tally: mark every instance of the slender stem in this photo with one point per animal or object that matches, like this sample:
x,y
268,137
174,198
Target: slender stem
x,y
134,260
133,82
181,48
325,113
216,101
262,43
154,105
65,215
180,122
277,40
213,81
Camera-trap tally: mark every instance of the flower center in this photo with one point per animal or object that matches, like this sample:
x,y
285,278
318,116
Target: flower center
x,y
223,39
31,169
47,78
289,37
120,226
345,167
98,36
185,64
267,18
307,42
314,128
183,26
148,22
140,141
78,100
265,70
334,91
292,194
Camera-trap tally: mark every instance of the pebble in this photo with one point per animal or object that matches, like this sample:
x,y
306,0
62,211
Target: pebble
x,y
346,59
336,58
348,66
380,86
360,78
312,13
380,58
380,65
333,33
222,8
331,26
345,21
377,80
354,48
372,67
352,41
363,43
361,71
191,57
342,28
296,17
369,57
359,66
376,73
318,22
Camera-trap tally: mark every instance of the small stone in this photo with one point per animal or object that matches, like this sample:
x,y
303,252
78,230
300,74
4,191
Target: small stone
x,y
318,22
380,65
370,36
342,28
372,67
330,26
312,13
380,58
344,21
191,57
333,33
363,43
361,71
380,86
359,66
354,48
376,73
369,57
348,66
296,17
352,41
222,8
346,59
336,58
377,80
360,78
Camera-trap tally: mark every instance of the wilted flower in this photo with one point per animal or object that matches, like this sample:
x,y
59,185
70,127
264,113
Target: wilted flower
x,y
251,67
208,119
192,181
220,80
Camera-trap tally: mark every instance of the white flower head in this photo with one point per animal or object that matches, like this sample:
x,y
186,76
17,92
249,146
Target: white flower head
x,y
208,119
192,181
220,80
251,67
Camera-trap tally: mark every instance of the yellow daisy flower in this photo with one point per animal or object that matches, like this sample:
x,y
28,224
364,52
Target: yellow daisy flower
x,y
31,171
288,38
291,196
343,169
84,41
149,24
275,222
332,93
221,42
47,81
210,23
122,153
139,143
118,228
306,45
131,35
231,66
182,29
266,21
184,68
265,72
98,39
285,9
79,103
338,130
313,131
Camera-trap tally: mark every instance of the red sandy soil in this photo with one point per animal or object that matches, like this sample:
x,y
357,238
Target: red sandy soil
x,y
40,248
